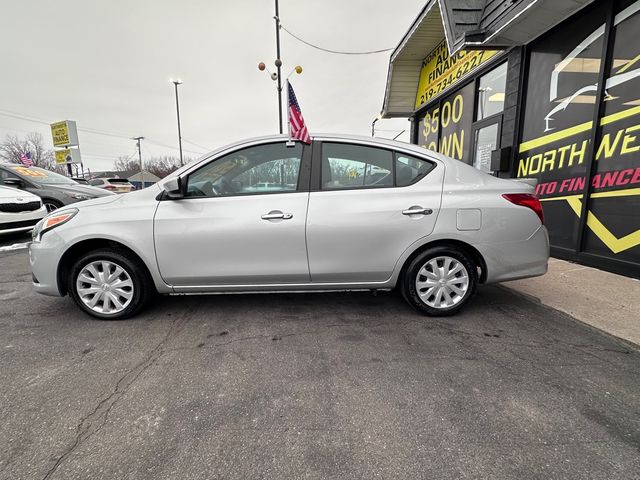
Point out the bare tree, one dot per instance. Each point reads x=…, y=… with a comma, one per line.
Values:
x=123, y=164
x=162, y=166
x=13, y=147
x=159, y=166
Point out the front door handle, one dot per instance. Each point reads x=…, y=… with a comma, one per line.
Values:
x=277, y=215
x=417, y=210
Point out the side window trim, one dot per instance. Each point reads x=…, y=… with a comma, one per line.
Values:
x=304, y=174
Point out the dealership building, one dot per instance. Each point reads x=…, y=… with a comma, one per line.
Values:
x=544, y=89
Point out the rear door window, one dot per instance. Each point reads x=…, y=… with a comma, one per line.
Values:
x=346, y=166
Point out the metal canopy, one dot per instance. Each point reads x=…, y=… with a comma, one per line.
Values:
x=424, y=35
x=465, y=24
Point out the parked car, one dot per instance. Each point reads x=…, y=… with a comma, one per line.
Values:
x=19, y=211
x=80, y=180
x=433, y=227
x=116, y=185
x=55, y=190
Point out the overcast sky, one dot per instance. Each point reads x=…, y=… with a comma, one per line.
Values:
x=107, y=64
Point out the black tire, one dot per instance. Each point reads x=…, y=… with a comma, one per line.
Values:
x=410, y=291
x=143, y=288
x=51, y=204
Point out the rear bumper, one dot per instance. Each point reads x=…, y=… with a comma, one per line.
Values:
x=514, y=260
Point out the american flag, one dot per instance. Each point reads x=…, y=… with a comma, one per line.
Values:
x=297, y=128
x=25, y=158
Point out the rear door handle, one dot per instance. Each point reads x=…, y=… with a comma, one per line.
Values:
x=416, y=210
x=277, y=215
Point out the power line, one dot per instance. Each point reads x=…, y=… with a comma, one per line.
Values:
x=196, y=145
x=169, y=146
x=338, y=52
x=93, y=131
x=29, y=118
x=6, y=113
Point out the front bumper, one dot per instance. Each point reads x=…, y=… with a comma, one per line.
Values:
x=44, y=258
x=20, y=221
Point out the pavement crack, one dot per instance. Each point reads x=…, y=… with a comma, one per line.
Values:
x=92, y=423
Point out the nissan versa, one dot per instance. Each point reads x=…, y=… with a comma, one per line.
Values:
x=344, y=213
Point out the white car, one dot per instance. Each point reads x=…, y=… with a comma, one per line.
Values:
x=19, y=210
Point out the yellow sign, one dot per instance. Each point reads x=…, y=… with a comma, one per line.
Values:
x=440, y=71
x=64, y=133
x=27, y=172
x=63, y=156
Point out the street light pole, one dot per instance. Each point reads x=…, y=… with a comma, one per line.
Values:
x=373, y=125
x=278, y=65
x=176, y=83
x=137, y=139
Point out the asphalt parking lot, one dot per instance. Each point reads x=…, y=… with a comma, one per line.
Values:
x=341, y=385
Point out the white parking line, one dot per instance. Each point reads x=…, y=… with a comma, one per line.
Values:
x=15, y=246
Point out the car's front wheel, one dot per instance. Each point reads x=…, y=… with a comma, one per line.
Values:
x=440, y=281
x=109, y=284
x=51, y=205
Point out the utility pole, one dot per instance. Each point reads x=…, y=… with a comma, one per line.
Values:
x=137, y=139
x=176, y=83
x=278, y=65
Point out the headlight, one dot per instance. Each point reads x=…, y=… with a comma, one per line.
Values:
x=51, y=221
x=80, y=196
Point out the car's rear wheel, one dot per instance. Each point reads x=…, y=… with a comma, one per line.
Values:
x=440, y=281
x=109, y=284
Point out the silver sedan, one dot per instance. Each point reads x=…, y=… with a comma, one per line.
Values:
x=345, y=213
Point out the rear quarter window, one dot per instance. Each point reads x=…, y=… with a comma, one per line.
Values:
x=410, y=169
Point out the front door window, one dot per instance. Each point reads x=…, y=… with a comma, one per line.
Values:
x=271, y=168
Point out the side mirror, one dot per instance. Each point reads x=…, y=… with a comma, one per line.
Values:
x=14, y=182
x=173, y=188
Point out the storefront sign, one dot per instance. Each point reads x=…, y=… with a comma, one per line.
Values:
x=446, y=128
x=64, y=133
x=68, y=155
x=440, y=71
x=557, y=141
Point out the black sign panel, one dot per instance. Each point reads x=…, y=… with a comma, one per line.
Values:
x=556, y=137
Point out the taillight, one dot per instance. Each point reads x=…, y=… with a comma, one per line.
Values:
x=109, y=187
x=526, y=200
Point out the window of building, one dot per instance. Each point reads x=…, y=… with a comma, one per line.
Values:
x=491, y=92
x=561, y=89
x=614, y=201
x=446, y=127
x=429, y=129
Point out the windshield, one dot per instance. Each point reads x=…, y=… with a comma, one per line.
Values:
x=40, y=175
